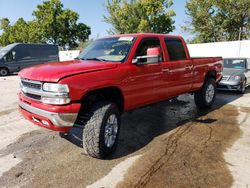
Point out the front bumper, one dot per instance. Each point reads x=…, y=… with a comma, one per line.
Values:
x=228, y=85
x=57, y=121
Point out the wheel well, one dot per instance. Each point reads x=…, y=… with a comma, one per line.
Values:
x=4, y=68
x=211, y=74
x=111, y=94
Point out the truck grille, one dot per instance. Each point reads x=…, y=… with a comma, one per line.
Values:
x=33, y=96
x=32, y=85
x=29, y=88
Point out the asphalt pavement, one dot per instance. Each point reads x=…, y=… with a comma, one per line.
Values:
x=169, y=144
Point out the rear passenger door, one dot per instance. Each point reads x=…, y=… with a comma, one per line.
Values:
x=178, y=74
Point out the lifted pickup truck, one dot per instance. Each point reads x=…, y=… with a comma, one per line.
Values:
x=111, y=76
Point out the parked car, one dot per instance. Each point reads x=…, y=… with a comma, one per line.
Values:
x=111, y=76
x=15, y=57
x=236, y=75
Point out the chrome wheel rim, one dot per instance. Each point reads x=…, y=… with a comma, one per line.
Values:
x=111, y=130
x=210, y=93
x=3, y=72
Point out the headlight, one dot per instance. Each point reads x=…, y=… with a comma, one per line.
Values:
x=56, y=101
x=237, y=78
x=56, y=88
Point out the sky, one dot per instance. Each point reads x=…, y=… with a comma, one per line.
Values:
x=90, y=12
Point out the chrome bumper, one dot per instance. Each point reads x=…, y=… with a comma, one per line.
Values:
x=59, y=119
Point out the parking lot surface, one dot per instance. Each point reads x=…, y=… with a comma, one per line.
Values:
x=170, y=144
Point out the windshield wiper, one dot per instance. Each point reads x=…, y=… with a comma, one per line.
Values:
x=94, y=59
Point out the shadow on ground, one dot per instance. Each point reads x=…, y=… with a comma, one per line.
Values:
x=141, y=126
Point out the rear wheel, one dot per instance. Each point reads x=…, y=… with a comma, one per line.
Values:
x=4, y=72
x=101, y=130
x=205, y=97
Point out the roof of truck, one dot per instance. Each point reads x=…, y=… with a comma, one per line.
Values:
x=144, y=35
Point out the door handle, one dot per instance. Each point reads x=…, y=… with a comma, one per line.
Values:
x=188, y=67
x=165, y=70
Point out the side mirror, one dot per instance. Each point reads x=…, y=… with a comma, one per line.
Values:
x=153, y=56
x=154, y=51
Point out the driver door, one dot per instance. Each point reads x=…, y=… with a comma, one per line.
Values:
x=144, y=78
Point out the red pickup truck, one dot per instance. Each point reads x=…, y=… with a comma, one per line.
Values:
x=111, y=76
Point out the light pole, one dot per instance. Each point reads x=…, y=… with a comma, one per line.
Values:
x=239, y=48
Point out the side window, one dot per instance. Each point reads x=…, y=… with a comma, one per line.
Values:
x=23, y=55
x=10, y=56
x=176, y=49
x=145, y=44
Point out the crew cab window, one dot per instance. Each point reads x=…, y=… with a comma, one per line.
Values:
x=143, y=47
x=145, y=44
x=176, y=49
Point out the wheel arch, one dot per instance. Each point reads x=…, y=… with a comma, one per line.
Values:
x=210, y=74
x=110, y=93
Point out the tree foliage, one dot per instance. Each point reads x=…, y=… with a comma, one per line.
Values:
x=51, y=24
x=224, y=20
x=4, y=24
x=133, y=16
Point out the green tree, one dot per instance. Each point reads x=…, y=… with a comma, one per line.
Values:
x=133, y=16
x=4, y=24
x=212, y=20
x=19, y=32
x=51, y=24
x=59, y=26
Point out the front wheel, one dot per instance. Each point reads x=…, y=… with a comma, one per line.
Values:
x=4, y=72
x=243, y=87
x=100, y=133
x=204, y=98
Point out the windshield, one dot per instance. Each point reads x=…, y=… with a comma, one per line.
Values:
x=5, y=50
x=115, y=49
x=235, y=63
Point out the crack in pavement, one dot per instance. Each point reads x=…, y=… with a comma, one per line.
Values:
x=172, y=143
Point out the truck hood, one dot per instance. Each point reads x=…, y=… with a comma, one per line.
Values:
x=53, y=72
x=233, y=72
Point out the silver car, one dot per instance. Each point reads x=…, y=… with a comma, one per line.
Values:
x=236, y=75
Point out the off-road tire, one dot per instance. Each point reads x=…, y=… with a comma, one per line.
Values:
x=200, y=96
x=94, y=129
x=4, y=72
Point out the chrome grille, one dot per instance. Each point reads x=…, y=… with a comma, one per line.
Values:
x=31, y=89
x=31, y=85
x=36, y=97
